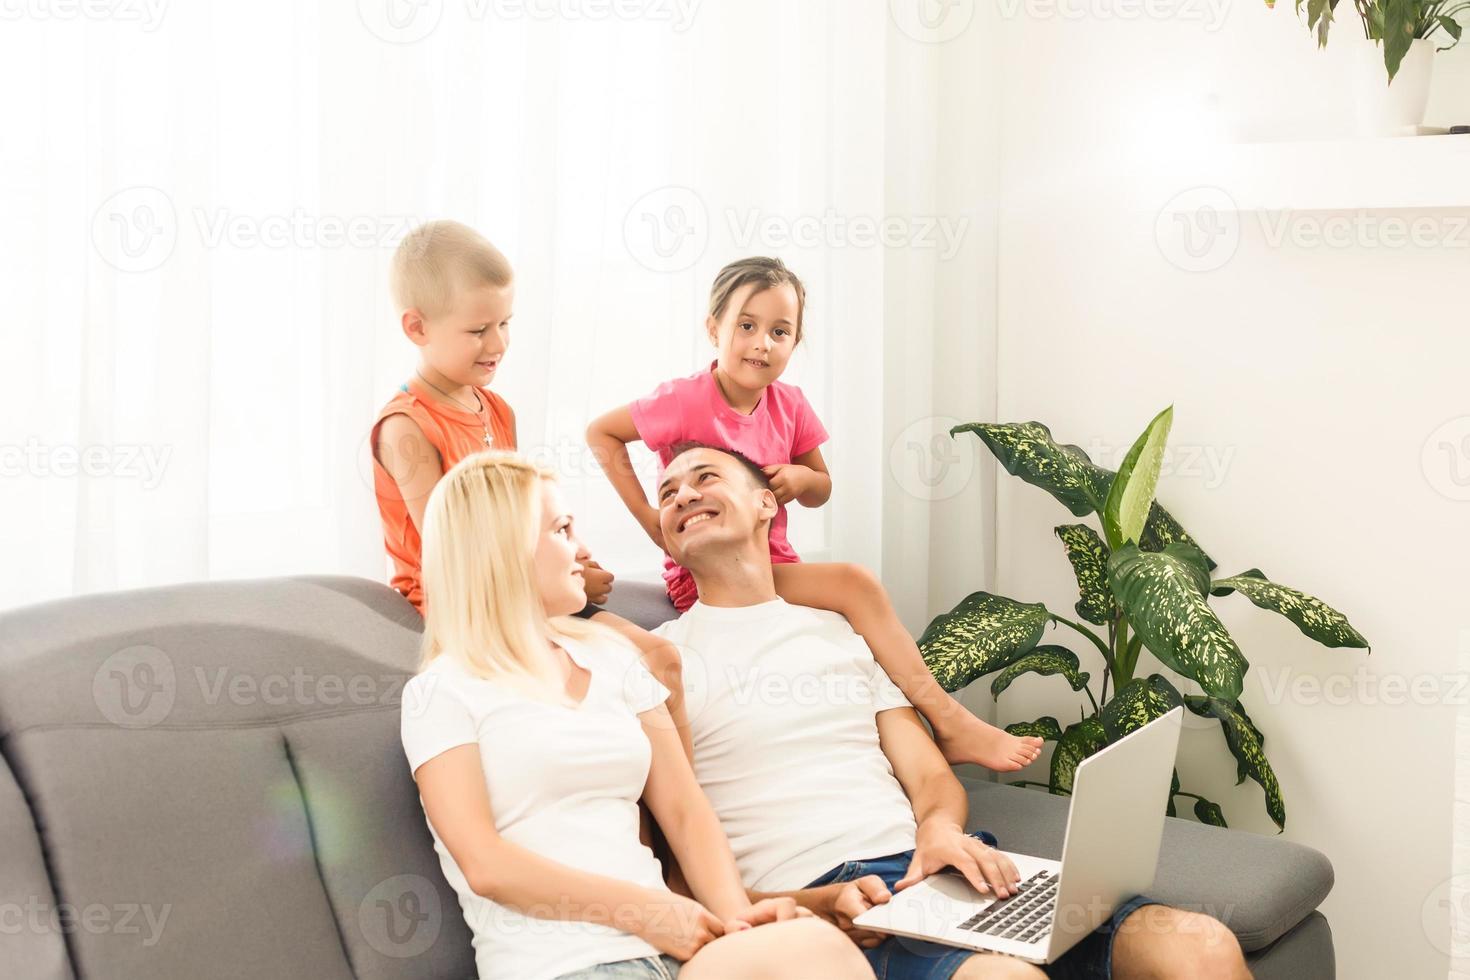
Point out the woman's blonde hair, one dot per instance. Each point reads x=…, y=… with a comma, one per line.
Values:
x=481, y=604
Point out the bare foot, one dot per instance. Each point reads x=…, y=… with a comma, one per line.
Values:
x=969, y=739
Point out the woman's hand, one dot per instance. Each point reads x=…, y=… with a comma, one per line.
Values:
x=765, y=911
x=679, y=926
x=788, y=480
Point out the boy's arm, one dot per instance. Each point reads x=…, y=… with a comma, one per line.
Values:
x=819, y=488
x=413, y=463
x=940, y=808
x=609, y=437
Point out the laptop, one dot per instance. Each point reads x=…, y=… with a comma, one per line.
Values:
x=1109, y=855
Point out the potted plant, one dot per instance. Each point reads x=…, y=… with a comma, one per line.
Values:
x=1144, y=583
x=1399, y=38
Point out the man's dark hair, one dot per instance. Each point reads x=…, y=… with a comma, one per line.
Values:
x=751, y=467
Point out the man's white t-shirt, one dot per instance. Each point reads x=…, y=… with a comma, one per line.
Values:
x=563, y=782
x=783, y=703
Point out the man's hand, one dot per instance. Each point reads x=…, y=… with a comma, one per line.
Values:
x=596, y=581
x=852, y=900
x=940, y=845
x=788, y=480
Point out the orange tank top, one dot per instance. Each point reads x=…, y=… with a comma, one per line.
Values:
x=454, y=433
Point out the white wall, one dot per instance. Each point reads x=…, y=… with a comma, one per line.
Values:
x=1320, y=379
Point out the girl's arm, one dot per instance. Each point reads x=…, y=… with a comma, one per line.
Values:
x=609, y=437
x=452, y=786
x=819, y=487
x=413, y=463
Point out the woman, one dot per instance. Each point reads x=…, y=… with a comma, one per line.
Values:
x=532, y=736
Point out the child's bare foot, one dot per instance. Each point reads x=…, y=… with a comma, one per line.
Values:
x=969, y=739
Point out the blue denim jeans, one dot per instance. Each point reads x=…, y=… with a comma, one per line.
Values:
x=645, y=968
x=901, y=958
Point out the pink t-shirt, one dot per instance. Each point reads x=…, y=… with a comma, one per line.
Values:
x=782, y=427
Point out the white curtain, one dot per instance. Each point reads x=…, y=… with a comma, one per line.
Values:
x=200, y=201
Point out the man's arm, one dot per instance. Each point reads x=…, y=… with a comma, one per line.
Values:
x=940, y=808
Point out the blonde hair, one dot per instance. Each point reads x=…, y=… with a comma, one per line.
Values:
x=765, y=273
x=481, y=604
x=436, y=259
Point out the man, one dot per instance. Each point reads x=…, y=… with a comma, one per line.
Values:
x=824, y=778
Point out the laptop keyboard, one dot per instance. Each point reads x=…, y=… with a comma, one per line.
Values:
x=1025, y=916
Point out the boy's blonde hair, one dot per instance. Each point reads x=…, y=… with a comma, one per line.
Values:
x=480, y=598
x=765, y=273
x=436, y=259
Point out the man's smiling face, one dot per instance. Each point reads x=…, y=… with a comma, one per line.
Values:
x=709, y=502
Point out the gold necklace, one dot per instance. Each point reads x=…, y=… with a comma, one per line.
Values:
x=477, y=411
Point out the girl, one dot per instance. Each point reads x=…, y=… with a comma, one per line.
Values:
x=532, y=734
x=754, y=324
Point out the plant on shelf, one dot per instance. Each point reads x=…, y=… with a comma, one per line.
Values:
x=1393, y=25
x=1144, y=584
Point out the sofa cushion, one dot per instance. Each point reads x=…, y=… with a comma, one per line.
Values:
x=1258, y=886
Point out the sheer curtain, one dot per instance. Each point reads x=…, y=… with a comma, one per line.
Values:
x=201, y=200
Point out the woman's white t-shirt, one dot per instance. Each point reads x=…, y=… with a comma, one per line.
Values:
x=563, y=782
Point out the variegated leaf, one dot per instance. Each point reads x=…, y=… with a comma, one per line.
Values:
x=1027, y=450
x=1132, y=492
x=1161, y=530
x=1078, y=742
x=1137, y=703
x=1169, y=811
x=1248, y=747
x=983, y=633
x=1313, y=617
x=1046, y=659
x=1210, y=813
x=1089, y=557
x=1045, y=727
x=1163, y=596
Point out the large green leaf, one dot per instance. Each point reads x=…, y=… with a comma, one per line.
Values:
x=1248, y=747
x=1045, y=659
x=983, y=633
x=1132, y=490
x=1399, y=17
x=1163, y=596
x=1312, y=616
x=1162, y=530
x=1045, y=727
x=1208, y=812
x=1137, y=703
x=1078, y=742
x=1089, y=558
x=1027, y=450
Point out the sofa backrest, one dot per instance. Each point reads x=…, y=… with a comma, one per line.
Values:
x=206, y=780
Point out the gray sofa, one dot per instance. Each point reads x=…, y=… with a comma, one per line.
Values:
x=205, y=781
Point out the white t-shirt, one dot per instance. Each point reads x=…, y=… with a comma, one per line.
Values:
x=783, y=703
x=563, y=782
